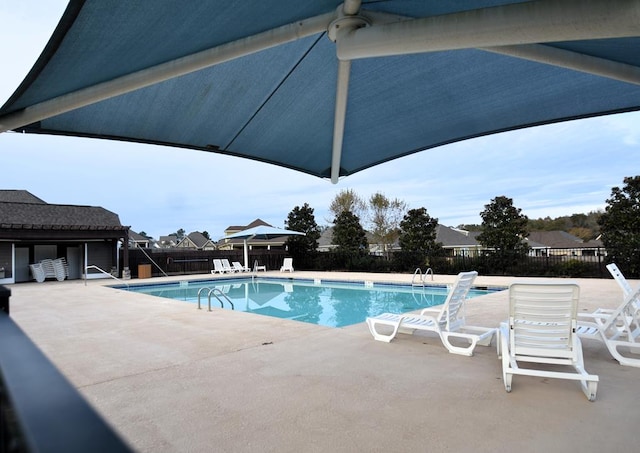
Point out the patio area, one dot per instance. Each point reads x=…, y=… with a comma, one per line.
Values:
x=171, y=378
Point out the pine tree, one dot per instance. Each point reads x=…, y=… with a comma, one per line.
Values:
x=418, y=232
x=348, y=233
x=301, y=219
x=504, y=229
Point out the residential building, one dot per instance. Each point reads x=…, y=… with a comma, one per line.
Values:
x=32, y=230
x=196, y=241
x=561, y=243
x=136, y=240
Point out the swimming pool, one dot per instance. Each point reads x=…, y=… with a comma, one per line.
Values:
x=326, y=303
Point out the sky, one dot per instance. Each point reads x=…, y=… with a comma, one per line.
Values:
x=556, y=170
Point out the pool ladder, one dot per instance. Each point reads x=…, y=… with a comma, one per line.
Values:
x=421, y=277
x=215, y=292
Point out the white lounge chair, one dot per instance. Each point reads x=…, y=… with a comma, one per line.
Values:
x=287, y=265
x=620, y=279
x=37, y=272
x=238, y=267
x=618, y=329
x=259, y=267
x=447, y=320
x=542, y=330
x=60, y=268
x=227, y=266
x=49, y=268
x=217, y=267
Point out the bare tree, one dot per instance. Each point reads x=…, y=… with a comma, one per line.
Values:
x=385, y=219
x=347, y=200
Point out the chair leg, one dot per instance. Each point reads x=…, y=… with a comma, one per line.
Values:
x=507, y=377
x=626, y=361
x=503, y=352
x=590, y=389
x=468, y=351
x=383, y=337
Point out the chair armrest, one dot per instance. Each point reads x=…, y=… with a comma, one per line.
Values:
x=433, y=311
x=603, y=316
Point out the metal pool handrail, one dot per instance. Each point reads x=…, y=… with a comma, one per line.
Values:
x=213, y=291
x=104, y=272
x=422, y=277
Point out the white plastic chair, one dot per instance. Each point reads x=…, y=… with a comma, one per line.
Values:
x=238, y=267
x=217, y=267
x=37, y=272
x=287, y=265
x=227, y=266
x=541, y=329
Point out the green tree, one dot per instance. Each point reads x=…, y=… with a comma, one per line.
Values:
x=584, y=226
x=418, y=232
x=206, y=234
x=348, y=200
x=620, y=226
x=385, y=218
x=581, y=232
x=348, y=233
x=179, y=234
x=469, y=227
x=301, y=219
x=504, y=229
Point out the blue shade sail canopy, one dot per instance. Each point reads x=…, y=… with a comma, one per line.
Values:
x=325, y=87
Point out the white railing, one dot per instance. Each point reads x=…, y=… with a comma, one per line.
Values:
x=421, y=277
x=91, y=266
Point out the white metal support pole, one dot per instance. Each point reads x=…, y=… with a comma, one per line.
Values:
x=515, y=24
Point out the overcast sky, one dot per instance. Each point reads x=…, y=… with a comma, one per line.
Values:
x=554, y=170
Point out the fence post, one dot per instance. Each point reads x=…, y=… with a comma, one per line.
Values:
x=599, y=262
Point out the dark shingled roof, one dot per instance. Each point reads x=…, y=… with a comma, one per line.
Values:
x=198, y=239
x=18, y=196
x=560, y=239
x=454, y=238
x=55, y=216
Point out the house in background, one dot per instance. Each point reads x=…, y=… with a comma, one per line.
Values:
x=325, y=241
x=138, y=241
x=457, y=242
x=167, y=242
x=196, y=241
x=235, y=243
x=561, y=243
x=32, y=230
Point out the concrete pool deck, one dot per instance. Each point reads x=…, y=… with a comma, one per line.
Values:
x=170, y=378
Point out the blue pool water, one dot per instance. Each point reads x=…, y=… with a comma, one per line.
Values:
x=326, y=303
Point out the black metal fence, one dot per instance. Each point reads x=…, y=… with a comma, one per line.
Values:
x=553, y=263
x=185, y=261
